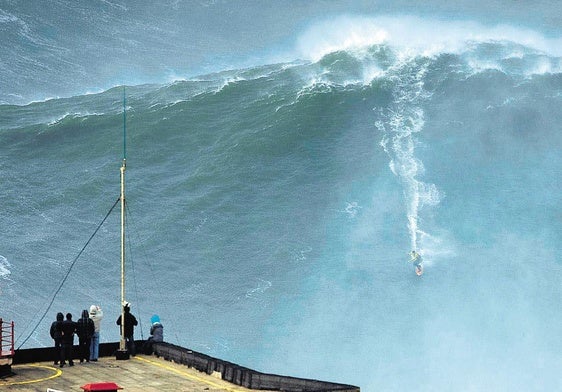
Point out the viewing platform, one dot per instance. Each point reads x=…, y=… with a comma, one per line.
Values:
x=140, y=373
x=171, y=368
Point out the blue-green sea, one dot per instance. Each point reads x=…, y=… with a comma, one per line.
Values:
x=277, y=180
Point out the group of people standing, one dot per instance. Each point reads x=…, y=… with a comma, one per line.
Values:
x=88, y=330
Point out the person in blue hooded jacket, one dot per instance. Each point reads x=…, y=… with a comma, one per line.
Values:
x=156, y=334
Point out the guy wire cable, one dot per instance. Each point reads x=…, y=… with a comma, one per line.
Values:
x=68, y=273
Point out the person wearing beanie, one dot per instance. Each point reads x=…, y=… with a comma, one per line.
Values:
x=96, y=315
x=129, y=327
x=68, y=328
x=156, y=329
x=56, y=334
x=85, y=329
x=156, y=334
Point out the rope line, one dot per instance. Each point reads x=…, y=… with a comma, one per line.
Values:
x=134, y=274
x=68, y=273
x=155, y=279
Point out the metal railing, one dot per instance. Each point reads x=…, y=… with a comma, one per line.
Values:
x=6, y=338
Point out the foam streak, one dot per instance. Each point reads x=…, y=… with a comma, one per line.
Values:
x=399, y=125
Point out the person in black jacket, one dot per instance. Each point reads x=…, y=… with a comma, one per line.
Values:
x=85, y=330
x=56, y=334
x=129, y=327
x=68, y=329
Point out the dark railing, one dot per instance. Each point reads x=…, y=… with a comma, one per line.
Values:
x=245, y=377
x=48, y=354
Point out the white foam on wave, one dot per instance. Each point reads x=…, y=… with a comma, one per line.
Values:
x=82, y=115
x=6, y=17
x=60, y=118
x=4, y=267
x=352, y=209
x=262, y=286
x=546, y=66
x=343, y=33
x=227, y=82
x=413, y=35
x=436, y=247
x=399, y=125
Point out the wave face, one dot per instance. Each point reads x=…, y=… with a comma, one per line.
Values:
x=271, y=211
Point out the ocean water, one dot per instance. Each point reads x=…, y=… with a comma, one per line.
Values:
x=272, y=202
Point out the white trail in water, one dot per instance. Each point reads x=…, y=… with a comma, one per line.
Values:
x=399, y=126
x=4, y=267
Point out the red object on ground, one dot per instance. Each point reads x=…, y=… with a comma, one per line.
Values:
x=101, y=386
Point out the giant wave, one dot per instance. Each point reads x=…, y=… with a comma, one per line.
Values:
x=272, y=209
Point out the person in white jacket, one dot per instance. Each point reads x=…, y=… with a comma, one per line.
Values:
x=96, y=314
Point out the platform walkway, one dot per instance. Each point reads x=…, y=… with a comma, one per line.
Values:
x=139, y=373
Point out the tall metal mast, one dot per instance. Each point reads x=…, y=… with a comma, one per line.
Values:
x=123, y=353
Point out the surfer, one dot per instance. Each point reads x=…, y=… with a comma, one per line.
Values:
x=416, y=259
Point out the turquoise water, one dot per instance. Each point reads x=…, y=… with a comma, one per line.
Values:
x=271, y=208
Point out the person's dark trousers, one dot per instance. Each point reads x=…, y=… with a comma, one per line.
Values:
x=131, y=345
x=58, y=354
x=84, y=344
x=67, y=354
